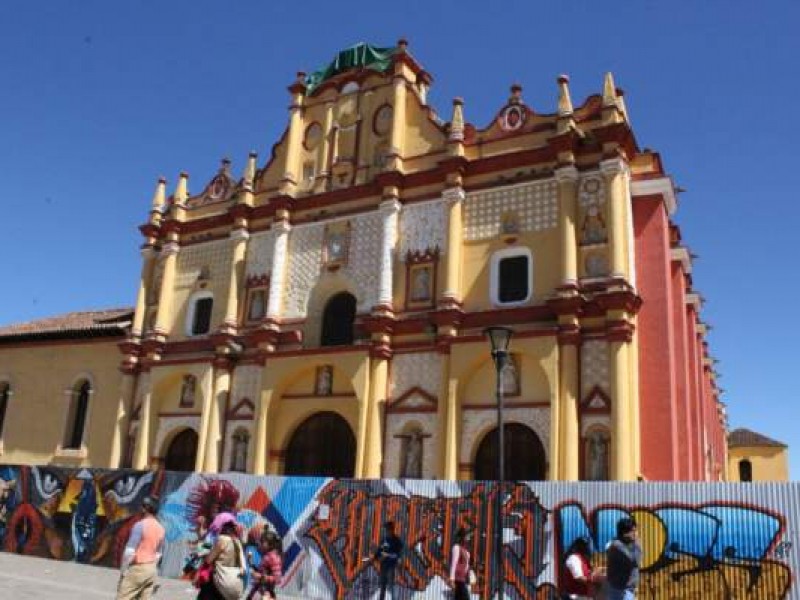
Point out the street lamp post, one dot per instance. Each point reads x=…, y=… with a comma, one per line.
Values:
x=500, y=337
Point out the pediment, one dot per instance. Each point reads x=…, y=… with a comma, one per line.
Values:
x=244, y=410
x=415, y=399
x=596, y=401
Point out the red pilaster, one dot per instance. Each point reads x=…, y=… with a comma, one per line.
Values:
x=693, y=396
x=682, y=368
x=657, y=401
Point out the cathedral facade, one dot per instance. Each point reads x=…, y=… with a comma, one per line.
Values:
x=322, y=311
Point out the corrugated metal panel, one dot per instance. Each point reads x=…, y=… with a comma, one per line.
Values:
x=698, y=540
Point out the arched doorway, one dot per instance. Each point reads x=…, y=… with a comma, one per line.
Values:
x=337, y=320
x=525, y=458
x=182, y=451
x=323, y=445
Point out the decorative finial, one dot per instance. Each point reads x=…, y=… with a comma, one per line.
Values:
x=402, y=45
x=181, y=191
x=250, y=170
x=159, y=195
x=564, y=101
x=457, y=122
x=225, y=165
x=516, y=94
x=609, y=91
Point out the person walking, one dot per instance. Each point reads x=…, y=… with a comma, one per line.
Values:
x=460, y=566
x=141, y=555
x=388, y=555
x=577, y=578
x=227, y=563
x=267, y=575
x=624, y=555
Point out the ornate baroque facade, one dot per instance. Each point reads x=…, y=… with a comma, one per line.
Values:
x=323, y=313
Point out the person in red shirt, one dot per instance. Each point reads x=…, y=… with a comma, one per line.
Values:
x=459, y=566
x=577, y=577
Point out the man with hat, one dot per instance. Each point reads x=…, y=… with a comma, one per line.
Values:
x=141, y=555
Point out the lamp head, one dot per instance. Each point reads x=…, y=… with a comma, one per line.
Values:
x=499, y=337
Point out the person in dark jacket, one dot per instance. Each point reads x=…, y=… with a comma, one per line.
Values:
x=624, y=555
x=388, y=555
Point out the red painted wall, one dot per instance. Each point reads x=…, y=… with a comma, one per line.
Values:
x=656, y=327
x=693, y=372
x=682, y=368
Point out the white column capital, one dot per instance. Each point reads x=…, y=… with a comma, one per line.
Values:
x=240, y=234
x=566, y=174
x=170, y=248
x=282, y=227
x=390, y=206
x=613, y=166
x=148, y=252
x=454, y=195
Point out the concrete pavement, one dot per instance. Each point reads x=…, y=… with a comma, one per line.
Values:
x=28, y=578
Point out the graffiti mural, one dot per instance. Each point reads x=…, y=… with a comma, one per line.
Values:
x=709, y=541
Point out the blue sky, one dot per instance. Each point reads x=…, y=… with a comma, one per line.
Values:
x=100, y=98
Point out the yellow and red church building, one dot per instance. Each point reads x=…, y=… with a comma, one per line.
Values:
x=322, y=311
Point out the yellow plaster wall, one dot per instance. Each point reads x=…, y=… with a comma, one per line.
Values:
x=769, y=463
x=476, y=267
x=36, y=416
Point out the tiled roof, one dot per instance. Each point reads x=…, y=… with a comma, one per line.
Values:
x=90, y=323
x=745, y=437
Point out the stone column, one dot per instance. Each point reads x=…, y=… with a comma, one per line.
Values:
x=261, y=446
x=141, y=457
x=397, y=138
x=207, y=390
x=567, y=178
x=277, y=280
x=451, y=441
x=239, y=237
x=454, y=197
x=124, y=402
x=294, y=139
x=614, y=170
x=373, y=449
x=222, y=385
x=568, y=396
x=164, y=317
x=323, y=151
x=390, y=209
x=145, y=281
x=620, y=412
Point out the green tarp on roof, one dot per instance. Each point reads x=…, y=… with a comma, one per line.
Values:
x=360, y=56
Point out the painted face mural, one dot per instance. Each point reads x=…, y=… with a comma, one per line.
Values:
x=709, y=541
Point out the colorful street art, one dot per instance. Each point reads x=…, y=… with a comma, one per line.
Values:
x=700, y=541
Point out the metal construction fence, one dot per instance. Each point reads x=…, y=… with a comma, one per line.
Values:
x=700, y=540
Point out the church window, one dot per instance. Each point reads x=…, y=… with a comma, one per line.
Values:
x=511, y=277
x=78, y=411
x=198, y=317
x=5, y=394
x=256, y=305
x=337, y=320
x=745, y=470
x=308, y=171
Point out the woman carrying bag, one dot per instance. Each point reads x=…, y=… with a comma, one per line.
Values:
x=227, y=564
x=461, y=575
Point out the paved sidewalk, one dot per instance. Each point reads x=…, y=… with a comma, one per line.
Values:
x=28, y=578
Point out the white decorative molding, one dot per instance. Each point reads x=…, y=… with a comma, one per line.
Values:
x=592, y=420
x=494, y=277
x=170, y=248
x=534, y=204
x=190, y=313
x=594, y=366
x=259, y=254
x=240, y=234
x=420, y=369
x=681, y=255
x=693, y=299
x=168, y=425
x=613, y=166
x=568, y=173
x=477, y=423
x=453, y=195
x=423, y=227
x=662, y=186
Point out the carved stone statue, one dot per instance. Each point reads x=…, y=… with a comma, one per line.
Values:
x=598, y=456
x=412, y=465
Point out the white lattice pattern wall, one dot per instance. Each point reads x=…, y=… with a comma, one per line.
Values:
x=215, y=255
x=396, y=425
x=594, y=366
x=364, y=259
x=423, y=226
x=422, y=369
x=362, y=268
x=305, y=256
x=477, y=423
x=535, y=204
x=260, y=249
